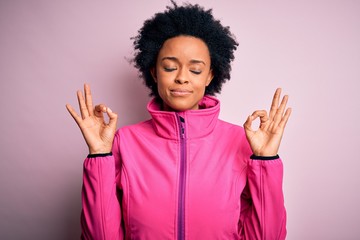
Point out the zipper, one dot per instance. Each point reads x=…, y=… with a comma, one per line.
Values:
x=182, y=179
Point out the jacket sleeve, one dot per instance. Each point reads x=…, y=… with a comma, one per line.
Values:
x=263, y=214
x=101, y=212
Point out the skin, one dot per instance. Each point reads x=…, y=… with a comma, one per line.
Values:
x=98, y=134
x=182, y=73
x=265, y=141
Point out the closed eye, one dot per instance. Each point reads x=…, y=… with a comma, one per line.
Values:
x=169, y=69
x=195, y=72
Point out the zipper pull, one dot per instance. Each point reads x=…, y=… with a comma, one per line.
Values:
x=182, y=126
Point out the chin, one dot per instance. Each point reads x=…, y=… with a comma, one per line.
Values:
x=182, y=109
x=178, y=106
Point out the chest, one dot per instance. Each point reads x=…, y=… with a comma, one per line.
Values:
x=171, y=186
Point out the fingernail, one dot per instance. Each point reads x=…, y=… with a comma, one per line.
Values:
x=109, y=109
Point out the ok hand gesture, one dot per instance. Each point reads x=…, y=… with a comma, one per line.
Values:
x=98, y=134
x=265, y=141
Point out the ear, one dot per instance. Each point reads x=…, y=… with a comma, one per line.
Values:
x=153, y=73
x=209, y=77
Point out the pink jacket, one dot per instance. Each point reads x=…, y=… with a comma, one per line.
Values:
x=180, y=176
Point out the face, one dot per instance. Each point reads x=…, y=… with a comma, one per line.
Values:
x=182, y=72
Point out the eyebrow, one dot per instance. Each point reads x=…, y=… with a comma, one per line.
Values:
x=194, y=61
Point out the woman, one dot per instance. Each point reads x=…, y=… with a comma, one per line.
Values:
x=183, y=174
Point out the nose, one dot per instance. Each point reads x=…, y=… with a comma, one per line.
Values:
x=181, y=78
x=181, y=81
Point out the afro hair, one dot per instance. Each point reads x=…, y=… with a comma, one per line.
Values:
x=186, y=20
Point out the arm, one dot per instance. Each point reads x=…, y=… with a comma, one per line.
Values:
x=263, y=214
x=101, y=216
x=101, y=213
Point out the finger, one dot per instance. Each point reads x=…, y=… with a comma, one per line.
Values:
x=112, y=118
x=284, y=120
x=73, y=113
x=88, y=99
x=280, y=111
x=99, y=110
x=275, y=103
x=83, y=109
x=262, y=114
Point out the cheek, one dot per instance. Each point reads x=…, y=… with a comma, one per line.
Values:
x=162, y=85
x=165, y=78
x=201, y=83
x=209, y=78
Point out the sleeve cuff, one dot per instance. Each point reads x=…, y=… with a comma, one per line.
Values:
x=254, y=157
x=99, y=155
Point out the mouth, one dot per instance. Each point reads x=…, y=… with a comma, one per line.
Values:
x=180, y=92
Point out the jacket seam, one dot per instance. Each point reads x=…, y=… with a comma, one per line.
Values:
x=262, y=201
x=127, y=195
x=101, y=201
x=282, y=226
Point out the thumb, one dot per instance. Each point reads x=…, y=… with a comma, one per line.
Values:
x=248, y=123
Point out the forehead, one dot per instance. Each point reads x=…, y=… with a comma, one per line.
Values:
x=186, y=47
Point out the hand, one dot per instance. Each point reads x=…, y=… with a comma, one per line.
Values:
x=98, y=134
x=265, y=141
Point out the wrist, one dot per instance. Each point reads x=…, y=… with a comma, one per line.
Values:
x=265, y=152
x=103, y=150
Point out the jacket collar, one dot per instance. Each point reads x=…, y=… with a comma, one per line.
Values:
x=198, y=123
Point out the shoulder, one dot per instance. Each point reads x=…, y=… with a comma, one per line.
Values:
x=231, y=127
x=231, y=132
x=140, y=127
x=236, y=135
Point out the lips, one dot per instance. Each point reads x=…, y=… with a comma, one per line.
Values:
x=180, y=92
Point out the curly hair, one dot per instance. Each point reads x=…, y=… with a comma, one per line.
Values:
x=186, y=20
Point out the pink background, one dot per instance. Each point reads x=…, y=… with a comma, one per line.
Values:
x=48, y=49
